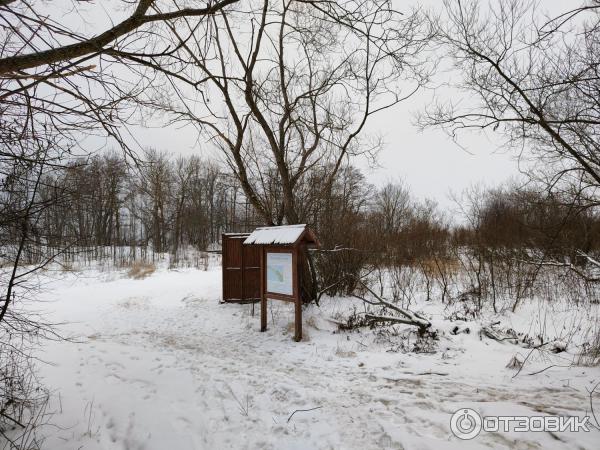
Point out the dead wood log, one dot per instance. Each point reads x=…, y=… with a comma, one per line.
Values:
x=376, y=318
x=406, y=316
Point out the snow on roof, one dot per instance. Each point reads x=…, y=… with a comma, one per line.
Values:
x=286, y=234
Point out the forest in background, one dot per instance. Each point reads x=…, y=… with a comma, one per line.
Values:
x=104, y=208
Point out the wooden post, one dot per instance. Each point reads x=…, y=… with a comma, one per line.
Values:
x=298, y=299
x=263, y=290
x=242, y=269
x=298, y=320
x=223, y=266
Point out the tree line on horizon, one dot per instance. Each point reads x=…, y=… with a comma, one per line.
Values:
x=165, y=204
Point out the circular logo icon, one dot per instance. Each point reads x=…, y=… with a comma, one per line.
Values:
x=465, y=423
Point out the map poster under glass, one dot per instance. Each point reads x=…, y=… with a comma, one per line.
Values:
x=279, y=273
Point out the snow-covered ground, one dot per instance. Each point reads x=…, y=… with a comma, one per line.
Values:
x=158, y=363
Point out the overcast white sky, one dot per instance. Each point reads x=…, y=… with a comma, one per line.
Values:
x=429, y=161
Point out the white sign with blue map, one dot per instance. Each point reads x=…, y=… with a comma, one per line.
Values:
x=279, y=273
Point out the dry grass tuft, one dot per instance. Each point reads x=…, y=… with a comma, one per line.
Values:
x=290, y=329
x=68, y=267
x=140, y=270
x=312, y=322
x=590, y=356
x=343, y=353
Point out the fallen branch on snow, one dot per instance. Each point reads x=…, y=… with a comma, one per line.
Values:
x=407, y=317
x=376, y=318
x=497, y=335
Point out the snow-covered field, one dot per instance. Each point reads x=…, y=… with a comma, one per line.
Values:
x=158, y=363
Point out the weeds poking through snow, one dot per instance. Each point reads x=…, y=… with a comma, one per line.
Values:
x=243, y=406
x=590, y=355
x=23, y=401
x=515, y=363
x=140, y=270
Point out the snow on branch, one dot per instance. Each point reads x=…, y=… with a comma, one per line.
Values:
x=407, y=317
x=589, y=277
x=591, y=260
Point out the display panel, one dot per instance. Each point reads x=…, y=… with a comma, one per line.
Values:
x=280, y=273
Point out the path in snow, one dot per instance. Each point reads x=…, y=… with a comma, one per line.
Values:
x=164, y=366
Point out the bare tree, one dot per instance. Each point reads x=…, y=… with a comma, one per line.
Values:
x=393, y=204
x=60, y=84
x=291, y=86
x=285, y=87
x=534, y=80
x=33, y=24
x=24, y=251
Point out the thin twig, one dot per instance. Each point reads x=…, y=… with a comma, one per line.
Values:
x=302, y=410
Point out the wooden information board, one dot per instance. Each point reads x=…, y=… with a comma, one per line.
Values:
x=280, y=267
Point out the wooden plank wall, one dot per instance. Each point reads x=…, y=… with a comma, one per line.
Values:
x=241, y=269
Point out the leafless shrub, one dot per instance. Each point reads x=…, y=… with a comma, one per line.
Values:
x=23, y=401
x=465, y=307
x=401, y=340
x=338, y=270
x=355, y=320
x=404, y=283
